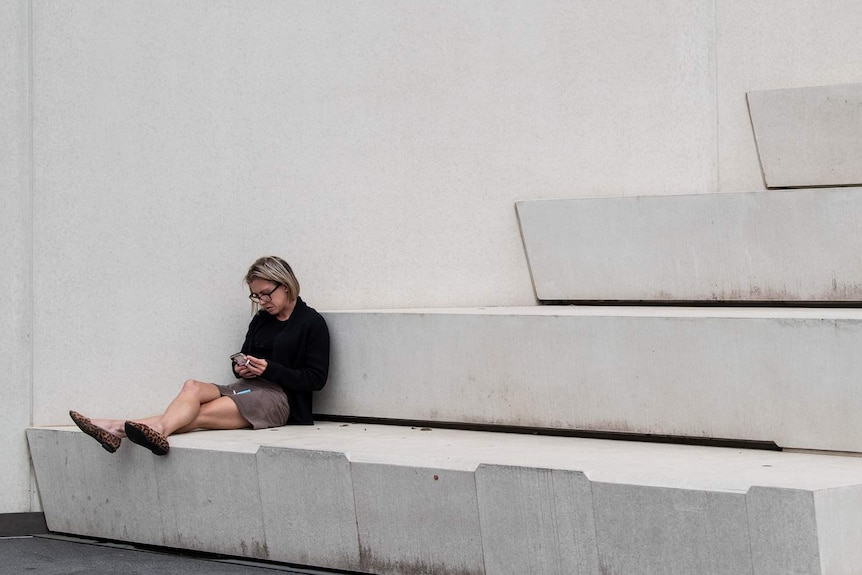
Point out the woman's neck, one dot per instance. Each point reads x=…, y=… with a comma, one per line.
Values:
x=285, y=314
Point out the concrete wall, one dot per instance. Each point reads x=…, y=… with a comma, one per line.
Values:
x=16, y=258
x=775, y=44
x=378, y=146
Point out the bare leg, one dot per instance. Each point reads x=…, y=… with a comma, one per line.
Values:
x=184, y=408
x=220, y=413
x=198, y=405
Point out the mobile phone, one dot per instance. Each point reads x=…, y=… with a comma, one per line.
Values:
x=239, y=359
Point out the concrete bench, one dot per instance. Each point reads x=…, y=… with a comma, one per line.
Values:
x=777, y=246
x=396, y=500
x=782, y=375
x=400, y=500
x=808, y=137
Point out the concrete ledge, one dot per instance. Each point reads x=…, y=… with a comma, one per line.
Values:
x=788, y=246
x=394, y=500
x=808, y=137
x=789, y=376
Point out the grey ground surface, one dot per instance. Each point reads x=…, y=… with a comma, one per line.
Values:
x=53, y=555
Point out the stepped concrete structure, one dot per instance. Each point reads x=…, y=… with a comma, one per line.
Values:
x=152, y=150
x=394, y=499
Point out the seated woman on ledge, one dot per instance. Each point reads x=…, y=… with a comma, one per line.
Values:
x=284, y=358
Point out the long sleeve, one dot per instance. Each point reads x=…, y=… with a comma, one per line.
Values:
x=246, y=344
x=312, y=356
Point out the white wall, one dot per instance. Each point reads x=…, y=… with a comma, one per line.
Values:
x=16, y=313
x=379, y=146
x=776, y=44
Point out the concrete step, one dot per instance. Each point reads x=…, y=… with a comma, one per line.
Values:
x=788, y=246
x=808, y=137
x=395, y=500
x=782, y=375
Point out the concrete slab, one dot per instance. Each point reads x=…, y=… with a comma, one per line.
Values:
x=87, y=491
x=639, y=529
x=449, y=501
x=789, y=246
x=209, y=500
x=419, y=520
x=783, y=531
x=309, y=516
x=839, y=529
x=536, y=521
x=808, y=137
x=784, y=375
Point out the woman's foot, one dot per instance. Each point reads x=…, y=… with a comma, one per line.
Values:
x=105, y=438
x=148, y=437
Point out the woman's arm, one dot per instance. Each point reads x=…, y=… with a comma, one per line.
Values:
x=246, y=345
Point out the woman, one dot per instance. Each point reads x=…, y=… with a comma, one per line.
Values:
x=285, y=357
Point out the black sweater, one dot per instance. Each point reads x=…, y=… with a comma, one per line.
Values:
x=299, y=361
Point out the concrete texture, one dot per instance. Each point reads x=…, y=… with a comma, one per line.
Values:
x=447, y=501
x=774, y=44
x=793, y=246
x=16, y=259
x=94, y=493
x=210, y=501
x=417, y=520
x=639, y=530
x=808, y=137
x=395, y=111
x=784, y=375
x=536, y=521
x=784, y=533
x=839, y=529
x=305, y=525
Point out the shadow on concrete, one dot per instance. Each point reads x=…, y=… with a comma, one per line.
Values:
x=54, y=554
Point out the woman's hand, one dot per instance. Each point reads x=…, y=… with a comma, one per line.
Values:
x=254, y=368
x=243, y=371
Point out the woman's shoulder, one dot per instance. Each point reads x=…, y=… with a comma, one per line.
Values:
x=308, y=313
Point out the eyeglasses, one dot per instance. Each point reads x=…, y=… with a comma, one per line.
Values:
x=259, y=297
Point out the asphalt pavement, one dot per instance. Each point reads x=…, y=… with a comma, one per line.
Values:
x=60, y=555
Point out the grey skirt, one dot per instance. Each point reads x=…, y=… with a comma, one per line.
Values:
x=261, y=402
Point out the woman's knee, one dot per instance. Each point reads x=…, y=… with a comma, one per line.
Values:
x=199, y=389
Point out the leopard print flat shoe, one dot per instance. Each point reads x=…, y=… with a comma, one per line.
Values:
x=105, y=438
x=148, y=437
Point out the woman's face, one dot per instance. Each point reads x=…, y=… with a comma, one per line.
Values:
x=272, y=296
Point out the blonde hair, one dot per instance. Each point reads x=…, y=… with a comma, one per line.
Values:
x=274, y=269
